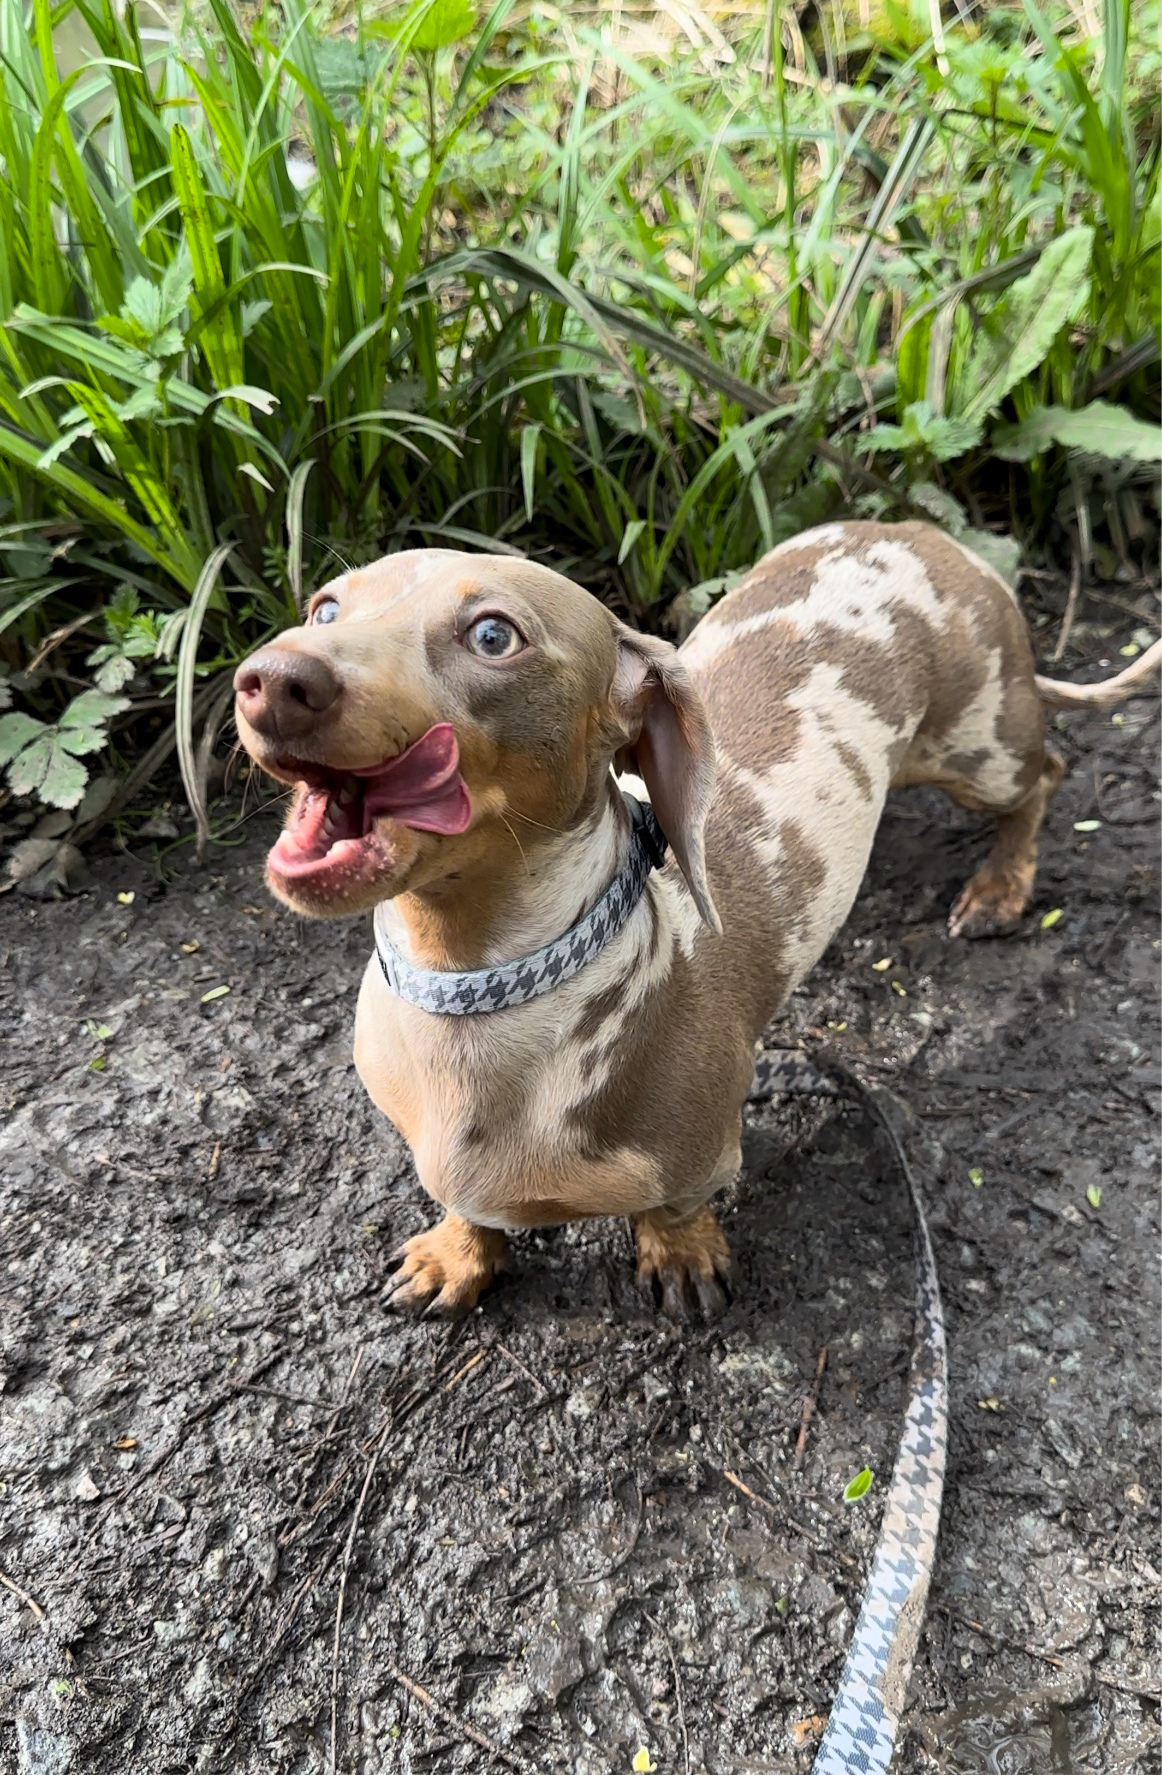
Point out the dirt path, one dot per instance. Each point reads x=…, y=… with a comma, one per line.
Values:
x=213, y=1435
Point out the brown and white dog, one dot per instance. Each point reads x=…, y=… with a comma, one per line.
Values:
x=450, y=722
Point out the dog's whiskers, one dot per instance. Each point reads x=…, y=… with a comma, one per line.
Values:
x=520, y=847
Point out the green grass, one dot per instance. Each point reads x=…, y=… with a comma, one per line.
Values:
x=640, y=310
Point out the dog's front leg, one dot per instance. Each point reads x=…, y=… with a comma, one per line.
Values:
x=683, y=1261
x=447, y=1270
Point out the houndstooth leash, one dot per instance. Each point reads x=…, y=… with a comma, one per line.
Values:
x=865, y=1716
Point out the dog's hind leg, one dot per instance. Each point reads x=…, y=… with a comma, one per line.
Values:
x=1002, y=887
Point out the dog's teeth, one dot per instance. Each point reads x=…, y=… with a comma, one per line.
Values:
x=348, y=792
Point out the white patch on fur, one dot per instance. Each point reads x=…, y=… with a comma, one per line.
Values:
x=998, y=780
x=817, y=792
x=812, y=539
x=847, y=592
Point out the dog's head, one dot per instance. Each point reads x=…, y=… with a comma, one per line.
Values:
x=433, y=699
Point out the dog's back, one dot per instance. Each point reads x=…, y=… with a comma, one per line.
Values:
x=856, y=657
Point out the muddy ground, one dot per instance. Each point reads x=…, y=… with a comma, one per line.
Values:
x=247, y=1511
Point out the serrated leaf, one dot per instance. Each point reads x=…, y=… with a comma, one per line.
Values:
x=976, y=1177
x=945, y=438
x=45, y=769
x=1001, y=553
x=79, y=740
x=1093, y=1195
x=17, y=731
x=113, y=673
x=859, y=1486
x=91, y=707
x=1019, y=332
x=1098, y=430
x=944, y=507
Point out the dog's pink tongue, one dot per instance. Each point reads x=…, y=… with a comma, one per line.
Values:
x=423, y=786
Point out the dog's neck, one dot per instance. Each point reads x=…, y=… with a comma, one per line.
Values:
x=554, y=878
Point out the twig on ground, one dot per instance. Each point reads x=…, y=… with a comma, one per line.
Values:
x=29, y=1602
x=810, y=1402
x=291, y=1398
x=1070, y=606
x=517, y=1363
x=461, y=1372
x=799, y=1528
x=451, y=1719
x=665, y=1638
x=342, y=1598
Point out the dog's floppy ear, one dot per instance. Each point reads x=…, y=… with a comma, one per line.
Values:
x=668, y=744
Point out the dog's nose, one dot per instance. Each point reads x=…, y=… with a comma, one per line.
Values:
x=282, y=693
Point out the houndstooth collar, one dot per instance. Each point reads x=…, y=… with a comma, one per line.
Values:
x=530, y=976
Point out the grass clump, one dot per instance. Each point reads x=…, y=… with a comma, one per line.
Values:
x=275, y=298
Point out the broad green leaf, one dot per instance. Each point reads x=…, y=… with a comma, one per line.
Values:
x=859, y=1486
x=429, y=24
x=1018, y=333
x=17, y=731
x=1098, y=429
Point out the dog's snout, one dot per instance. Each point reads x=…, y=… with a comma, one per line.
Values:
x=282, y=693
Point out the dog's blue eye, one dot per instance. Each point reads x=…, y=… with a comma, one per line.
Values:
x=326, y=611
x=493, y=638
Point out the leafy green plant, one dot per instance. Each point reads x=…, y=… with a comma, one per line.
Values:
x=272, y=301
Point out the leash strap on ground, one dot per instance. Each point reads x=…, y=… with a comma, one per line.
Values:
x=865, y=1716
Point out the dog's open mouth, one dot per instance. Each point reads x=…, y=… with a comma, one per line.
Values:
x=334, y=833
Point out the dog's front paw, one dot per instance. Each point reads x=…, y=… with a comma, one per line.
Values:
x=683, y=1262
x=991, y=904
x=447, y=1270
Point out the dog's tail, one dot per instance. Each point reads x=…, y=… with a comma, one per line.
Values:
x=1106, y=693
